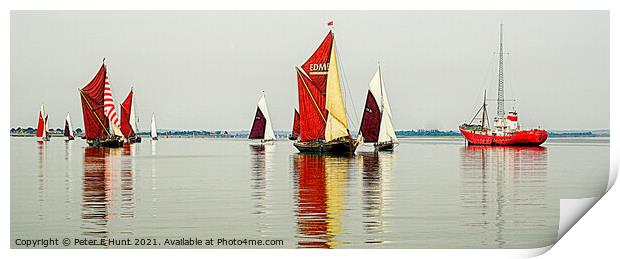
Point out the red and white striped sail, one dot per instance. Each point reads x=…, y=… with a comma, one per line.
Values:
x=109, y=108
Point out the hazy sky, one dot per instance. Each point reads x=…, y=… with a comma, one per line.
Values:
x=206, y=70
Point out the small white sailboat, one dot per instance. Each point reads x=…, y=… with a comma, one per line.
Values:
x=153, y=128
x=42, y=128
x=68, y=129
x=377, y=125
x=261, y=126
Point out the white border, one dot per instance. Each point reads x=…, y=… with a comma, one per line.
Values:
x=578, y=241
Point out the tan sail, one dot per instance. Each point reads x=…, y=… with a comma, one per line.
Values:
x=337, y=125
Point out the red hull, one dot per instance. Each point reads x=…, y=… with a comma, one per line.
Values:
x=518, y=138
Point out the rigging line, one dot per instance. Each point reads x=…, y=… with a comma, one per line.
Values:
x=346, y=84
x=485, y=79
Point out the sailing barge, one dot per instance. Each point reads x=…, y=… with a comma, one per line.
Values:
x=322, y=115
x=42, y=129
x=505, y=130
x=101, y=124
x=68, y=132
x=377, y=125
x=262, y=130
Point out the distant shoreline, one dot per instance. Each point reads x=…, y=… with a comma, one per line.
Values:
x=421, y=133
x=283, y=136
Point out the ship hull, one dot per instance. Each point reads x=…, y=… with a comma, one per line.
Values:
x=384, y=146
x=518, y=138
x=110, y=143
x=136, y=139
x=261, y=142
x=338, y=147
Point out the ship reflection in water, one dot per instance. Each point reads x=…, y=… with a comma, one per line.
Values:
x=41, y=178
x=427, y=194
x=320, y=184
x=261, y=164
x=505, y=192
x=323, y=202
x=107, y=192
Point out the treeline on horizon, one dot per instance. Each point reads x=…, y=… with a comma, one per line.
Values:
x=243, y=134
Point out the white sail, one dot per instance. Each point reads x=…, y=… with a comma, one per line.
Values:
x=262, y=105
x=386, y=130
x=68, y=121
x=153, y=127
x=132, y=115
x=46, y=132
x=337, y=124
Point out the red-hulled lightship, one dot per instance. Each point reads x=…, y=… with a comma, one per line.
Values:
x=505, y=130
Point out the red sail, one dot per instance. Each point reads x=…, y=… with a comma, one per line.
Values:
x=296, y=125
x=40, y=126
x=95, y=122
x=258, y=127
x=371, y=120
x=317, y=65
x=126, y=116
x=312, y=112
x=67, y=132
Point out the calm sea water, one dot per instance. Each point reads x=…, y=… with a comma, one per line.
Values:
x=429, y=193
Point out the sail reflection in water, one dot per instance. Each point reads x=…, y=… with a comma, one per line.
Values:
x=260, y=166
x=321, y=184
x=428, y=194
x=41, y=177
x=376, y=173
x=504, y=194
x=107, y=192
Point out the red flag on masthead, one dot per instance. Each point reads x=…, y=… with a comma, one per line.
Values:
x=330, y=23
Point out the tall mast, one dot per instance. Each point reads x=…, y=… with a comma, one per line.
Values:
x=484, y=109
x=500, y=80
